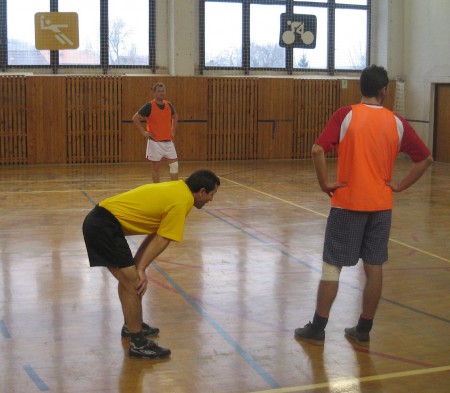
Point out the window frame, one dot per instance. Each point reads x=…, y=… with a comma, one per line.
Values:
x=104, y=43
x=331, y=7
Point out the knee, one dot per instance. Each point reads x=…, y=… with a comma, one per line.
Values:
x=127, y=277
x=173, y=167
x=330, y=272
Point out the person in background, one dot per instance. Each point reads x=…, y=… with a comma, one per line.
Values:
x=161, y=119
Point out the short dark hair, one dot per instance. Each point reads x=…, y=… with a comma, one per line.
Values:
x=202, y=178
x=373, y=78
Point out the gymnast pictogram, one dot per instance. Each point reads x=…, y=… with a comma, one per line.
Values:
x=46, y=24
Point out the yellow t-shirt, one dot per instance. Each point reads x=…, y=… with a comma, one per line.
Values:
x=159, y=207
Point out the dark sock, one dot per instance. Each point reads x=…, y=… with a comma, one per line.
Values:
x=319, y=323
x=125, y=322
x=138, y=339
x=364, y=325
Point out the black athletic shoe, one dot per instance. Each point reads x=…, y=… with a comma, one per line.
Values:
x=147, y=331
x=149, y=350
x=307, y=333
x=360, y=338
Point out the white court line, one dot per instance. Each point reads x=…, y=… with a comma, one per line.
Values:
x=348, y=382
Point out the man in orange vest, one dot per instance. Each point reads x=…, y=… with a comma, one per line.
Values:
x=368, y=138
x=161, y=119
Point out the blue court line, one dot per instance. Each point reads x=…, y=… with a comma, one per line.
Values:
x=4, y=330
x=298, y=260
x=266, y=243
x=88, y=197
x=245, y=355
x=35, y=378
x=404, y=306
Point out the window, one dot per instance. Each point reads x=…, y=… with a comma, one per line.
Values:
x=128, y=32
x=351, y=39
x=245, y=35
x=88, y=32
x=20, y=33
x=316, y=58
x=264, y=49
x=111, y=34
x=220, y=30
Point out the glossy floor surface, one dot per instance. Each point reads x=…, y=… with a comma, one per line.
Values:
x=228, y=298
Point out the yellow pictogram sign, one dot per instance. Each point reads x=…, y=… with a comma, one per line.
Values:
x=56, y=30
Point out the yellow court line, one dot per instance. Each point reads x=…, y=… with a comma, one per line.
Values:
x=420, y=250
x=347, y=382
x=324, y=215
x=274, y=197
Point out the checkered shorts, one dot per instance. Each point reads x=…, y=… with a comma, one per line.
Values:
x=353, y=235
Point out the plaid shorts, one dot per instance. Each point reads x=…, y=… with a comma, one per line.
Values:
x=106, y=244
x=353, y=235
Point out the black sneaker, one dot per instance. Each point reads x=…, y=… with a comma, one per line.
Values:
x=147, y=331
x=149, y=350
x=309, y=334
x=359, y=337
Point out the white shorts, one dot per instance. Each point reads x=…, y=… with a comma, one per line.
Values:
x=156, y=151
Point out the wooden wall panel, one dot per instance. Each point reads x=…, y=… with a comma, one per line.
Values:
x=349, y=92
x=315, y=101
x=442, y=124
x=93, y=119
x=232, y=118
x=46, y=119
x=190, y=99
x=275, y=117
x=87, y=119
x=13, y=120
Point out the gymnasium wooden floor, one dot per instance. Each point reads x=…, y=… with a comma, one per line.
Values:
x=228, y=298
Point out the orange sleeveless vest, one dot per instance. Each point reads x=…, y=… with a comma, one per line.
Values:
x=366, y=156
x=159, y=123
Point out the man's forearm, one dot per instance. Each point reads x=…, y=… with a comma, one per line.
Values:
x=151, y=247
x=320, y=165
x=139, y=127
x=415, y=173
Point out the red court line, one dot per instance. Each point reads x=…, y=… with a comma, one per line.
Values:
x=391, y=357
x=245, y=225
x=287, y=330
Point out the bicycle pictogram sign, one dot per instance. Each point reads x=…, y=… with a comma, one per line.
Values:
x=298, y=31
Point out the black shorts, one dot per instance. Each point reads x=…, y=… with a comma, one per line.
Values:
x=353, y=235
x=106, y=244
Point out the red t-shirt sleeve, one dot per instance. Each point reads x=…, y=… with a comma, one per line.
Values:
x=411, y=144
x=329, y=137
